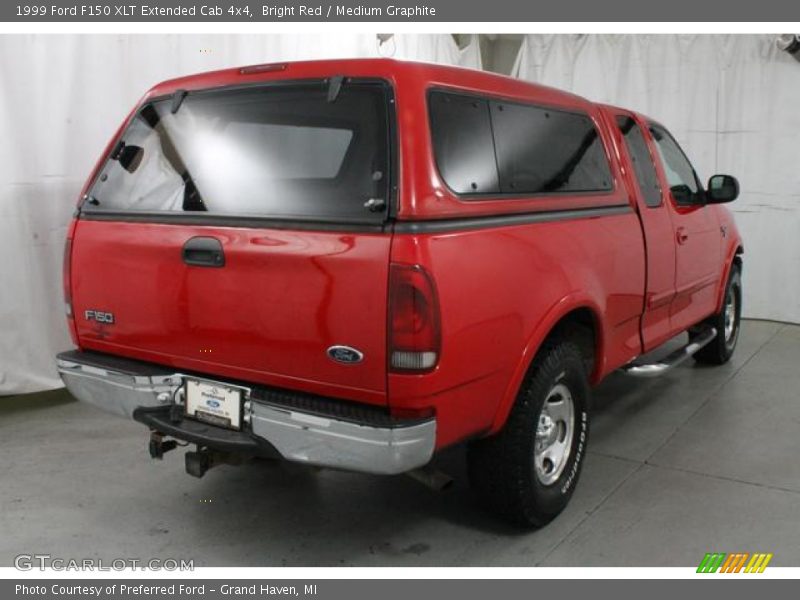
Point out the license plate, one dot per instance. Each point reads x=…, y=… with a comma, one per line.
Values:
x=214, y=403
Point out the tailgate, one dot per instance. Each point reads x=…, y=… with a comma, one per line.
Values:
x=270, y=314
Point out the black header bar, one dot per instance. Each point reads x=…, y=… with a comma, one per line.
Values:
x=475, y=11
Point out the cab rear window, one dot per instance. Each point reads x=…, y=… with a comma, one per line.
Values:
x=285, y=151
x=484, y=146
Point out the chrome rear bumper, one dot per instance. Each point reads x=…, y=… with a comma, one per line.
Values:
x=122, y=386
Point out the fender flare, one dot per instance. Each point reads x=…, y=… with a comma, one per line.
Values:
x=736, y=248
x=544, y=327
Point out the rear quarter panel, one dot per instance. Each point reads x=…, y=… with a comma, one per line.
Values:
x=501, y=291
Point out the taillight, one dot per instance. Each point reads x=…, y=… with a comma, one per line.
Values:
x=415, y=336
x=67, y=278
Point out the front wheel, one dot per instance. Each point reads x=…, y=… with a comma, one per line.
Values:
x=726, y=322
x=528, y=471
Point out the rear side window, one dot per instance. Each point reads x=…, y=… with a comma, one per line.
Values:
x=642, y=161
x=462, y=142
x=541, y=151
x=274, y=151
x=488, y=147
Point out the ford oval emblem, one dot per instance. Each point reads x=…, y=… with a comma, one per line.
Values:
x=212, y=403
x=345, y=354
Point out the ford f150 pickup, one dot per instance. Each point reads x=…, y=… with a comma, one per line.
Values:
x=355, y=264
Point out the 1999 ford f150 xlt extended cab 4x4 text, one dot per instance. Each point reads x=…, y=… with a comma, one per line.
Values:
x=355, y=264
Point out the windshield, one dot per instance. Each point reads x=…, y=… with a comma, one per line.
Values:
x=271, y=151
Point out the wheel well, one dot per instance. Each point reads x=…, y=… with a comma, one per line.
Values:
x=580, y=327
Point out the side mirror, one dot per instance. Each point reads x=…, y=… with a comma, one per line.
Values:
x=722, y=188
x=683, y=195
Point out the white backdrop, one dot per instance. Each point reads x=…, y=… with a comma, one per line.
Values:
x=61, y=98
x=733, y=102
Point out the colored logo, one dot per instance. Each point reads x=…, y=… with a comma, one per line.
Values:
x=345, y=354
x=737, y=562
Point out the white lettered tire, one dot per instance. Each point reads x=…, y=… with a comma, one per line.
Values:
x=528, y=471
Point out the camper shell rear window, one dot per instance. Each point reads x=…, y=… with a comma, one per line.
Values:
x=294, y=150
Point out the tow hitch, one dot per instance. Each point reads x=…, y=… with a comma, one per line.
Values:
x=203, y=459
x=197, y=463
x=158, y=446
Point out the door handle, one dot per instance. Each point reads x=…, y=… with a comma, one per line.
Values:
x=203, y=252
x=681, y=235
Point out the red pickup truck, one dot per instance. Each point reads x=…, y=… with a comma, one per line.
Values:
x=355, y=264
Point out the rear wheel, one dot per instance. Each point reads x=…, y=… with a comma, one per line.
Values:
x=528, y=471
x=726, y=322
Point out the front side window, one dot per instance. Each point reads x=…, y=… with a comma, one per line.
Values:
x=680, y=174
x=274, y=151
x=485, y=146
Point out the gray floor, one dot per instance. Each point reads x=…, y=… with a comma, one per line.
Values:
x=704, y=459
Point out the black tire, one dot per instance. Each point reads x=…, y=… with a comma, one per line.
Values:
x=503, y=468
x=721, y=348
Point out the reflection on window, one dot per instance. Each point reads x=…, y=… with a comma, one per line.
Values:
x=273, y=151
x=488, y=147
x=680, y=175
x=543, y=151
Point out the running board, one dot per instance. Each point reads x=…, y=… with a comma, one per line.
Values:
x=672, y=360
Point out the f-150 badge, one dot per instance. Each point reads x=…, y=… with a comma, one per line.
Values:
x=99, y=316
